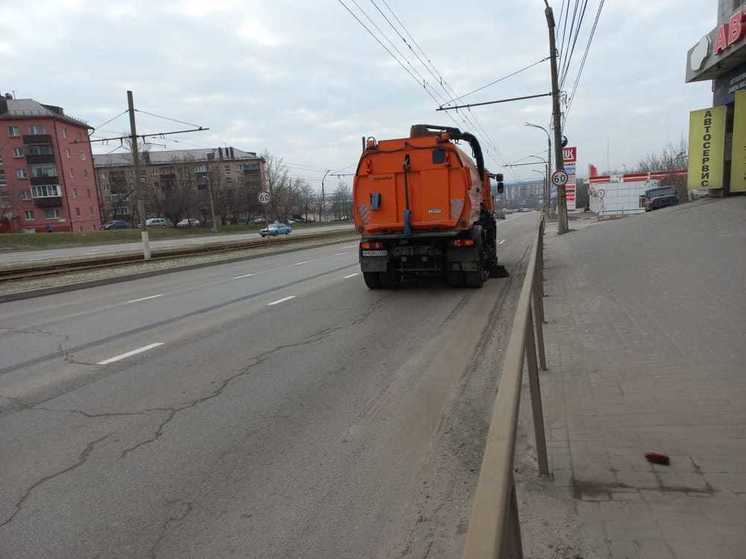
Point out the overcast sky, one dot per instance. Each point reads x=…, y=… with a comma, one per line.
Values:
x=305, y=81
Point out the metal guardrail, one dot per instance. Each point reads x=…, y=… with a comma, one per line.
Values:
x=494, y=528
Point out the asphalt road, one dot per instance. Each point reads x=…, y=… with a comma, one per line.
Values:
x=61, y=254
x=268, y=408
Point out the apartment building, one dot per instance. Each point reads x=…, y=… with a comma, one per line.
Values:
x=47, y=180
x=175, y=183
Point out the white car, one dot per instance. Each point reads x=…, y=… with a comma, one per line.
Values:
x=188, y=222
x=158, y=222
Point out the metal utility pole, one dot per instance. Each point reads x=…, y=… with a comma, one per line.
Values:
x=138, y=183
x=557, y=119
x=321, y=208
x=214, y=227
x=548, y=188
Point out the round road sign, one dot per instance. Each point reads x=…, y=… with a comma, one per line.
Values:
x=264, y=197
x=559, y=178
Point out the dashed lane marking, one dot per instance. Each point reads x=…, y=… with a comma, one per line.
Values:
x=144, y=298
x=137, y=351
x=352, y=275
x=281, y=300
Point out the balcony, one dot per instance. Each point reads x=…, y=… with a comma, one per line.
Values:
x=39, y=158
x=43, y=180
x=37, y=139
x=46, y=195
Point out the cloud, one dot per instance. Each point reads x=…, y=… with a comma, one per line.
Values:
x=305, y=81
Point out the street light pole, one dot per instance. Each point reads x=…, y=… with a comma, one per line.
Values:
x=547, y=188
x=138, y=184
x=321, y=208
x=557, y=119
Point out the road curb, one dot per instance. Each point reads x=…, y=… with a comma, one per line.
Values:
x=32, y=294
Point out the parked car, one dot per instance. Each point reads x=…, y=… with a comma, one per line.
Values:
x=660, y=197
x=116, y=224
x=275, y=229
x=499, y=213
x=158, y=222
x=188, y=222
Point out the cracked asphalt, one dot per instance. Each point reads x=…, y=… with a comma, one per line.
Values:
x=269, y=408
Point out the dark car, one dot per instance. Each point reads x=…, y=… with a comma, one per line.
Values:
x=659, y=197
x=116, y=224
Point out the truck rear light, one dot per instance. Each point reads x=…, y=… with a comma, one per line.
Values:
x=463, y=242
x=371, y=245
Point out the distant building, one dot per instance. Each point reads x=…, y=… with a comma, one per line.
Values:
x=524, y=194
x=175, y=183
x=47, y=181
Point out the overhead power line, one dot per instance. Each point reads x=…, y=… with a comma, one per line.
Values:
x=585, y=57
x=167, y=118
x=498, y=80
x=568, y=59
x=112, y=119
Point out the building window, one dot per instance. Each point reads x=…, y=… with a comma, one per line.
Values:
x=17, y=152
x=90, y=210
x=24, y=195
x=64, y=132
x=37, y=129
x=77, y=212
x=46, y=171
x=21, y=174
x=72, y=173
x=52, y=213
x=45, y=191
x=40, y=150
x=85, y=172
x=75, y=192
x=67, y=153
x=82, y=156
x=14, y=131
x=28, y=215
x=89, y=192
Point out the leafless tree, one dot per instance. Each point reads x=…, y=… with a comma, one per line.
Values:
x=670, y=158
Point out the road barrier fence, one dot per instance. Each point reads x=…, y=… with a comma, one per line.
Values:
x=494, y=528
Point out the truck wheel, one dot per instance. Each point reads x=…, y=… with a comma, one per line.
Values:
x=372, y=279
x=388, y=280
x=474, y=279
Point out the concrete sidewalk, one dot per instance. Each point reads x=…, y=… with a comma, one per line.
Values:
x=646, y=345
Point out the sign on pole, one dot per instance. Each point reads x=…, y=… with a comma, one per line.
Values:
x=570, y=159
x=738, y=165
x=264, y=197
x=706, y=148
x=559, y=178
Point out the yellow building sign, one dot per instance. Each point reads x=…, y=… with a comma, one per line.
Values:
x=706, y=148
x=738, y=166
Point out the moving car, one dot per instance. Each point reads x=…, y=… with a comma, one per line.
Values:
x=188, y=222
x=660, y=197
x=116, y=224
x=158, y=222
x=276, y=229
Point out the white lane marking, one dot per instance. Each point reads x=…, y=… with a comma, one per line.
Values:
x=281, y=300
x=244, y=276
x=130, y=353
x=340, y=254
x=352, y=275
x=144, y=298
x=501, y=242
x=301, y=262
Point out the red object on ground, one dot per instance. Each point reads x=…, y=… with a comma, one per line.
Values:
x=658, y=458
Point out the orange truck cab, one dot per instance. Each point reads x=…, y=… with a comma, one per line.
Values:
x=424, y=207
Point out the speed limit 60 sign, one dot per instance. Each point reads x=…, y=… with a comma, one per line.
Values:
x=559, y=178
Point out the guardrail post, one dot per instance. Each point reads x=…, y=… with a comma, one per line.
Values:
x=513, y=548
x=536, y=407
x=539, y=324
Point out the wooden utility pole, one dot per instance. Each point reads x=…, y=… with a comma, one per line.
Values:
x=557, y=119
x=138, y=182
